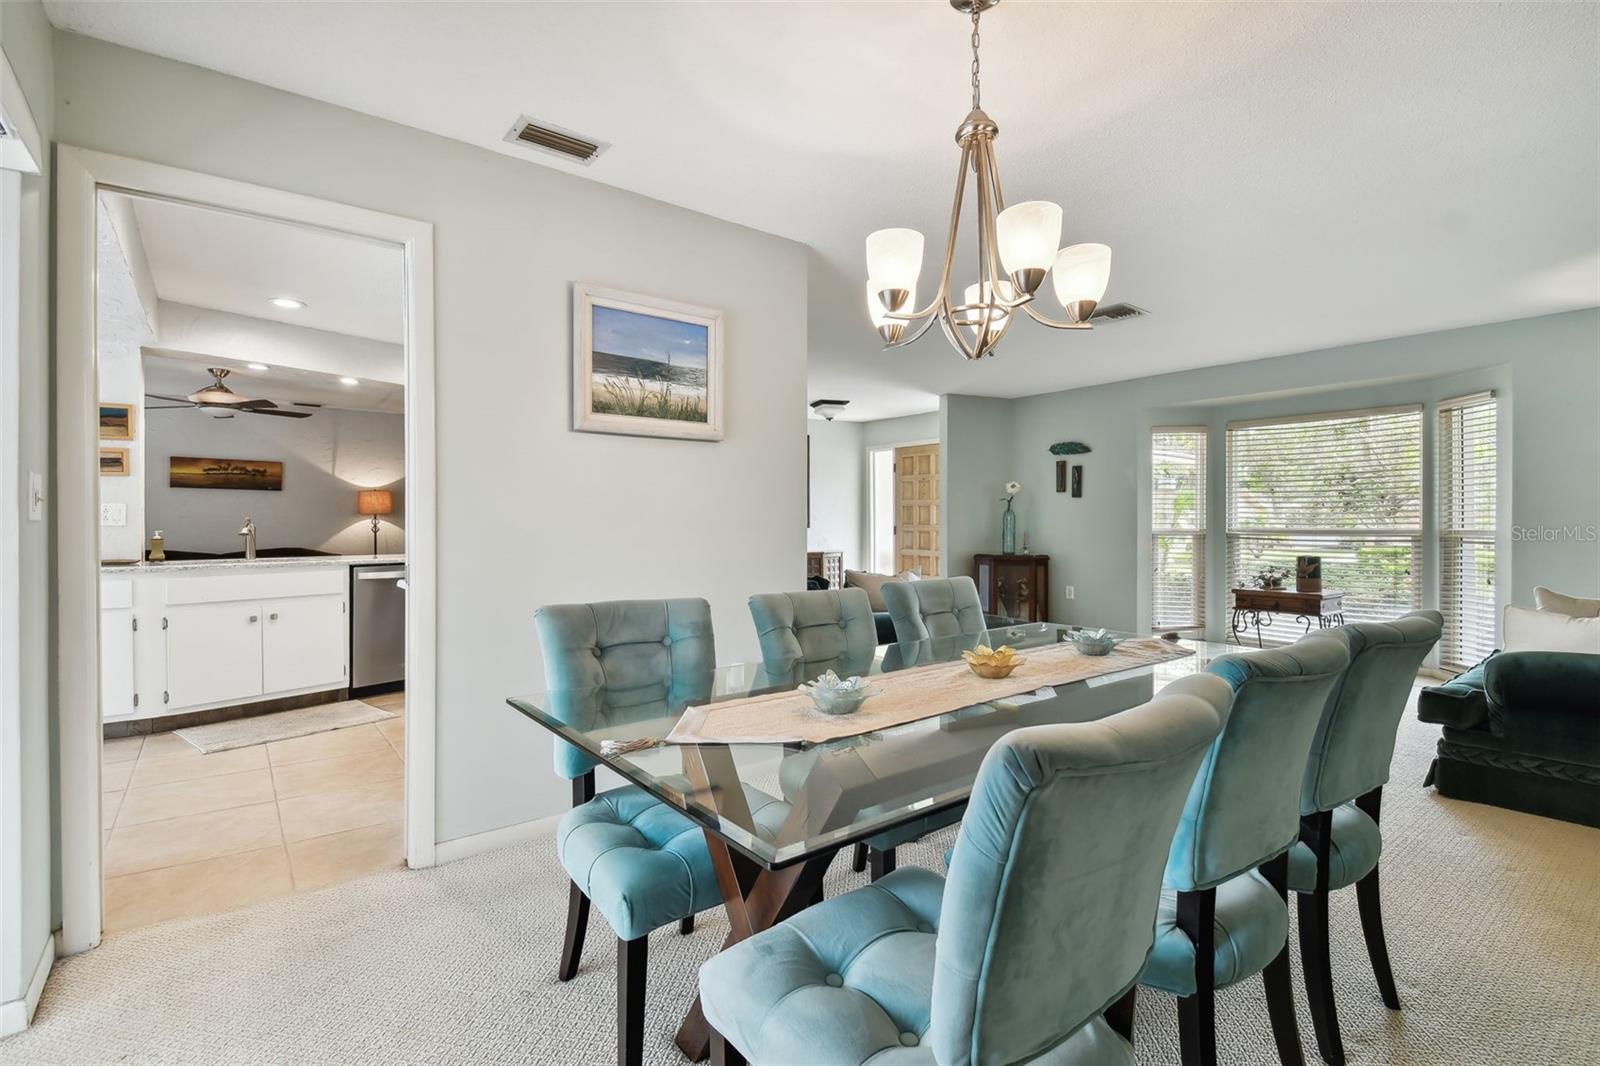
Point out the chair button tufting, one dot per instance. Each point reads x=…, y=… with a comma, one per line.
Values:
x=924, y=927
x=834, y=980
x=910, y=1039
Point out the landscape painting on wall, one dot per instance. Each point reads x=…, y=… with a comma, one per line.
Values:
x=116, y=421
x=188, y=472
x=113, y=462
x=646, y=367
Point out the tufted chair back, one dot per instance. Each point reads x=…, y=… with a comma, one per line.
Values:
x=625, y=654
x=803, y=634
x=1354, y=744
x=1243, y=807
x=1049, y=908
x=933, y=607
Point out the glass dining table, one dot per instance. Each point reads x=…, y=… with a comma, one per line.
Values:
x=770, y=858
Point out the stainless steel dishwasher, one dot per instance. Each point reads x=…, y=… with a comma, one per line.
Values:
x=377, y=627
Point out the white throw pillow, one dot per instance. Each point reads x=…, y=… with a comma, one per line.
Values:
x=872, y=583
x=1573, y=606
x=1525, y=630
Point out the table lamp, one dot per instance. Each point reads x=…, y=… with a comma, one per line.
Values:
x=374, y=502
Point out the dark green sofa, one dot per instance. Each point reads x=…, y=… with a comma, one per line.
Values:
x=1521, y=730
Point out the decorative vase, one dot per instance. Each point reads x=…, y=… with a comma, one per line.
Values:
x=1008, y=531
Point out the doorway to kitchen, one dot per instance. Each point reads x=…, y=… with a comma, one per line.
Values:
x=252, y=545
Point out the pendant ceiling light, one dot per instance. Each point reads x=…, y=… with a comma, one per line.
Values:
x=1018, y=247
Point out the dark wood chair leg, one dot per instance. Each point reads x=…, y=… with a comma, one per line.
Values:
x=686, y=925
x=882, y=862
x=633, y=957
x=1367, y=901
x=577, y=925
x=1197, y=1026
x=1312, y=907
x=858, y=859
x=724, y=1053
x=1120, y=1015
x=1275, y=978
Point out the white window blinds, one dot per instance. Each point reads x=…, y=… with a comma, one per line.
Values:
x=1468, y=463
x=1346, y=487
x=1178, y=527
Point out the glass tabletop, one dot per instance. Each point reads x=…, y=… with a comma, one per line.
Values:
x=782, y=803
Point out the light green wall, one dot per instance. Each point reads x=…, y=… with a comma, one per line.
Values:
x=1547, y=371
x=25, y=36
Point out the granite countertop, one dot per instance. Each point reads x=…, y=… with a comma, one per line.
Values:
x=177, y=565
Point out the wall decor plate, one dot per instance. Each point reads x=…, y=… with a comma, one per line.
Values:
x=644, y=366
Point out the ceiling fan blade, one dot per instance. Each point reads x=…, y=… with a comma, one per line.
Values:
x=279, y=414
x=255, y=404
x=169, y=399
x=174, y=407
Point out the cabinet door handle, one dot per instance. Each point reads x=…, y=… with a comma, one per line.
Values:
x=273, y=617
x=253, y=618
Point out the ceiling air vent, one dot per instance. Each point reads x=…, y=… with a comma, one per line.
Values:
x=543, y=137
x=1116, y=313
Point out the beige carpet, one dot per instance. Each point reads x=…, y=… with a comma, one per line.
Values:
x=1494, y=926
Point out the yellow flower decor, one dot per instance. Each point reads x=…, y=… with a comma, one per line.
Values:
x=992, y=662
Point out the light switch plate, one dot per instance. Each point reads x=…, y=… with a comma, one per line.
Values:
x=1068, y=592
x=113, y=514
x=35, y=496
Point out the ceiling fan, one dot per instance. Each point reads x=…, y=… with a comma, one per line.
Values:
x=218, y=397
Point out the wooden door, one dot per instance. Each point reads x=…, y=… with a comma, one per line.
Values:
x=916, y=509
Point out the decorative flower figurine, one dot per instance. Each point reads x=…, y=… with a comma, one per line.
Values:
x=1008, y=520
x=992, y=662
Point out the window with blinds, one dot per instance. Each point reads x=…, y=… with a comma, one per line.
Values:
x=1344, y=486
x=1468, y=463
x=1178, y=528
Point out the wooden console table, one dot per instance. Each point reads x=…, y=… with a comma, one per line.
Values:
x=825, y=564
x=1017, y=586
x=1250, y=605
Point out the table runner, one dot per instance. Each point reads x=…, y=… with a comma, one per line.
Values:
x=906, y=696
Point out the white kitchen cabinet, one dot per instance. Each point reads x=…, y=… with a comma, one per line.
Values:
x=303, y=643
x=213, y=653
x=118, y=687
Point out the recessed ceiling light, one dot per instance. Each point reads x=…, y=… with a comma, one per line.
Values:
x=348, y=381
x=258, y=366
x=288, y=303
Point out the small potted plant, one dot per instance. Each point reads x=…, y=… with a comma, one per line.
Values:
x=1271, y=576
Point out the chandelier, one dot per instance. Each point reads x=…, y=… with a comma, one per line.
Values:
x=1018, y=246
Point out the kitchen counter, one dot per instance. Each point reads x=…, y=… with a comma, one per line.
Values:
x=178, y=565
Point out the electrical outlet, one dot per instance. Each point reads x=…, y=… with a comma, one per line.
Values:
x=113, y=514
x=1068, y=592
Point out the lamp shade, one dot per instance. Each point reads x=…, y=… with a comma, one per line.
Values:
x=1029, y=234
x=894, y=259
x=374, y=502
x=1082, y=272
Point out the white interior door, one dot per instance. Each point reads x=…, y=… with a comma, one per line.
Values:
x=213, y=652
x=303, y=643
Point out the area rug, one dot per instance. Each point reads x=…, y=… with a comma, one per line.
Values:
x=1493, y=922
x=282, y=725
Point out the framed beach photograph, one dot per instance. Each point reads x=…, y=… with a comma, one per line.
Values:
x=113, y=462
x=116, y=421
x=644, y=366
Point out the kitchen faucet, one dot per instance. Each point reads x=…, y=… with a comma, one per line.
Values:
x=249, y=535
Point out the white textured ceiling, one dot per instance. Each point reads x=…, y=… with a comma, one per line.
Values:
x=239, y=263
x=1272, y=177
x=176, y=373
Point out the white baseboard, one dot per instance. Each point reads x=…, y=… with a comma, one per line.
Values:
x=505, y=836
x=18, y=1014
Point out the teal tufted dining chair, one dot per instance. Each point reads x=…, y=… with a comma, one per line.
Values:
x=1044, y=921
x=1340, y=798
x=805, y=634
x=933, y=607
x=1224, y=913
x=641, y=862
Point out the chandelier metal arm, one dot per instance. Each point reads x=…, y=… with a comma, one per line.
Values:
x=1045, y=320
x=940, y=297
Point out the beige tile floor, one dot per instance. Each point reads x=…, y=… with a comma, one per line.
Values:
x=190, y=834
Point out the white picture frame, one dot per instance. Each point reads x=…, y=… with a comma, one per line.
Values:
x=622, y=395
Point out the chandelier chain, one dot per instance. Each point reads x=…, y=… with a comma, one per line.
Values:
x=976, y=11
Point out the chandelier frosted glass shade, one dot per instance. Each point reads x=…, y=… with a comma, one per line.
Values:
x=1018, y=247
x=894, y=259
x=1028, y=234
x=1081, y=274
